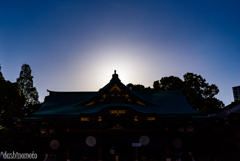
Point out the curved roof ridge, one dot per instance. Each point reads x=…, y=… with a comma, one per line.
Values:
x=117, y=81
x=115, y=93
x=70, y=91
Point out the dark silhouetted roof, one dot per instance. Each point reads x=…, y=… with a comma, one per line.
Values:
x=233, y=108
x=76, y=103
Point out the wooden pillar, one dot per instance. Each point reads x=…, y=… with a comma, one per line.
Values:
x=135, y=154
x=68, y=155
x=100, y=154
x=168, y=156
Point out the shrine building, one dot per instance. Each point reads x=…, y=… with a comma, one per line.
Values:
x=119, y=124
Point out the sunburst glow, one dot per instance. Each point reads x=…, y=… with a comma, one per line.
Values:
x=126, y=60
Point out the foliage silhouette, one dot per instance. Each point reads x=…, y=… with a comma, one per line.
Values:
x=11, y=100
x=200, y=95
x=25, y=82
x=138, y=87
x=168, y=84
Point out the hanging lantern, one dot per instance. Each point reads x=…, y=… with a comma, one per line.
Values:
x=144, y=140
x=54, y=144
x=91, y=141
x=177, y=143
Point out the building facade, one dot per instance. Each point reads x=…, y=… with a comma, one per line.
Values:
x=236, y=92
x=119, y=124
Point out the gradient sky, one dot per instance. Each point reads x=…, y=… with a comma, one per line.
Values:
x=77, y=45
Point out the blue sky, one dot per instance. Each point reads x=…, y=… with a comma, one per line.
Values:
x=76, y=45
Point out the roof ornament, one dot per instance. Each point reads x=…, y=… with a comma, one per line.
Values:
x=115, y=75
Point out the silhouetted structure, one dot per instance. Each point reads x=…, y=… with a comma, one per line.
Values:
x=117, y=123
x=236, y=92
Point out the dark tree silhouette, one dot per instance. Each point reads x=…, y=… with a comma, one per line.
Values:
x=1, y=75
x=12, y=100
x=200, y=95
x=138, y=87
x=170, y=83
x=25, y=82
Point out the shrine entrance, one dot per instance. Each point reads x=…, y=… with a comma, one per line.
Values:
x=118, y=149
